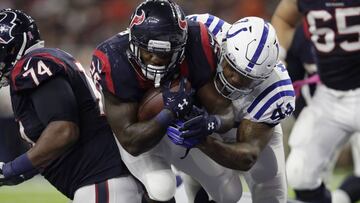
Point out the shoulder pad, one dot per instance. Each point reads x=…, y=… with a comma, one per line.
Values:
x=274, y=100
x=31, y=71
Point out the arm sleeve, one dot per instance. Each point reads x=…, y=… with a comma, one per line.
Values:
x=55, y=101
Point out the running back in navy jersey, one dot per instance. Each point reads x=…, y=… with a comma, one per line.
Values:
x=114, y=71
x=95, y=156
x=334, y=27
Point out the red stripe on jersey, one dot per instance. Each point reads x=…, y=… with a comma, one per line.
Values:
x=306, y=29
x=16, y=71
x=107, y=192
x=207, y=47
x=51, y=57
x=106, y=69
x=96, y=193
x=184, y=69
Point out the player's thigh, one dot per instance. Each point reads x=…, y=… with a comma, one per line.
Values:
x=314, y=141
x=116, y=190
x=267, y=179
x=222, y=184
x=153, y=170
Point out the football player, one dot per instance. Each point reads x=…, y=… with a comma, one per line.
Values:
x=332, y=117
x=159, y=47
x=60, y=115
x=250, y=75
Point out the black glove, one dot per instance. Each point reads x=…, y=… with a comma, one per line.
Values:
x=180, y=102
x=15, y=180
x=202, y=124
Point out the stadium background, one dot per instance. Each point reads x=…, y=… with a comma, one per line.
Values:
x=77, y=26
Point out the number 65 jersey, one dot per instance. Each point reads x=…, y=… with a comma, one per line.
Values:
x=272, y=100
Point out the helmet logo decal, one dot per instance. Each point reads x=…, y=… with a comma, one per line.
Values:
x=182, y=23
x=181, y=20
x=6, y=25
x=260, y=47
x=137, y=20
x=228, y=35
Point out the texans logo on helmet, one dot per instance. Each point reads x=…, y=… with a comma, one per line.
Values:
x=182, y=24
x=181, y=20
x=137, y=20
x=6, y=25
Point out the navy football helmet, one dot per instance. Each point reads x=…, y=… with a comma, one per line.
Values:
x=158, y=26
x=18, y=32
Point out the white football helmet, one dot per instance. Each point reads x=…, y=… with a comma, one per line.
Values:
x=251, y=47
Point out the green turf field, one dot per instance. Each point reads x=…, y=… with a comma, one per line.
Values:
x=38, y=190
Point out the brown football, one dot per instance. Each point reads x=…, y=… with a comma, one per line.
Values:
x=152, y=102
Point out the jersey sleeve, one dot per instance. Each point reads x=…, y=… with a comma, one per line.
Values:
x=112, y=72
x=202, y=55
x=275, y=101
x=216, y=25
x=32, y=71
x=101, y=71
x=55, y=101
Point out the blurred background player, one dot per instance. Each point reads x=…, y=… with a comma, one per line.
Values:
x=159, y=47
x=329, y=121
x=262, y=95
x=59, y=114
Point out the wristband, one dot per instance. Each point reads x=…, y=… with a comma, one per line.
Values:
x=165, y=117
x=18, y=166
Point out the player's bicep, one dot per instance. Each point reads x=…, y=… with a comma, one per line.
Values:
x=256, y=134
x=55, y=101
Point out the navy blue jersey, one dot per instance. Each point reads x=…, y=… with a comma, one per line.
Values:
x=95, y=156
x=115, y=72
x=334, y=27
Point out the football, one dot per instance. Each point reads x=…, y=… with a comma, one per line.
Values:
x=152, y=102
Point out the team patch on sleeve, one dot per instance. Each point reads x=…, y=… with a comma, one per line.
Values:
x=31, y=71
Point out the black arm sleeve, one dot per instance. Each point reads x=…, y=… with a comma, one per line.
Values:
x=55, y=101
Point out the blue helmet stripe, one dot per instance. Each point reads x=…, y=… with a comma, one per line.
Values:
x=218, y=27
x=267, y=91
x=209, y=20
x=260, y=46
x=272, y=100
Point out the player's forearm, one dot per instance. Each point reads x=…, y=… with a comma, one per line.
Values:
x=284, y=20
x=227, y=119
x=237, y=156
x=57, y=137
x=142, y=136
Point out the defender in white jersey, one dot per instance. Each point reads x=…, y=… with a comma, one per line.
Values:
x=250, y=75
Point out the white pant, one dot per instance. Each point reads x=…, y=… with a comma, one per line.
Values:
x=267, y=178
x=320, y=131
x=153, y=169
x=116, y=190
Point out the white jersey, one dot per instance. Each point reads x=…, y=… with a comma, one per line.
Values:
x=272, y=100
x=215, y=25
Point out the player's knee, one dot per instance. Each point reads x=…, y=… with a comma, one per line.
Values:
x=299, y=174
x=231, y=191
x=160, y=185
